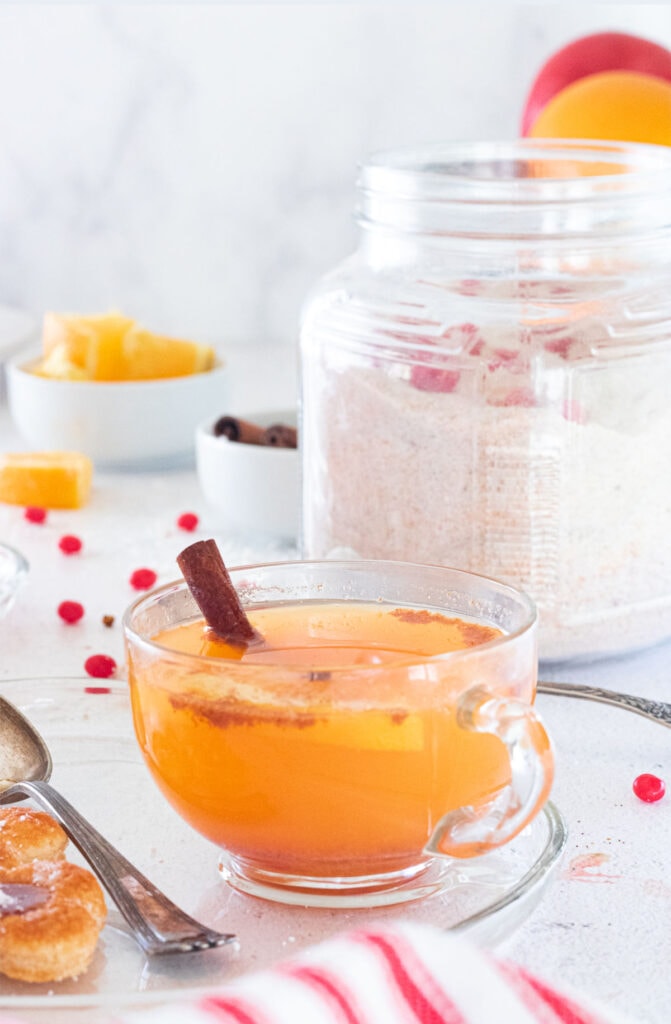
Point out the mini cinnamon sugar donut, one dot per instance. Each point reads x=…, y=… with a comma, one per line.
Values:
x=51, y=914
x=27, y=835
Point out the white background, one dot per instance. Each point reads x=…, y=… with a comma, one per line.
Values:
x=194, y=164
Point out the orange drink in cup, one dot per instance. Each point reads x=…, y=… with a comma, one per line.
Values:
x=382, y=723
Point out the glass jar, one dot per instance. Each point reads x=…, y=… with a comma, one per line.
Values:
x=486, y=382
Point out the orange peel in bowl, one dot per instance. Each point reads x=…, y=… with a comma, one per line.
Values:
x=149, y=356
x=624, y=106
x=57, y=479
x=83, y=347
x=112, y=347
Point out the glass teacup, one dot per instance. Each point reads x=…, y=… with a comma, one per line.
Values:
x=384, y=728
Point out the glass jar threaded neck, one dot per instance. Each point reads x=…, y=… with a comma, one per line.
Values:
x=562, y=190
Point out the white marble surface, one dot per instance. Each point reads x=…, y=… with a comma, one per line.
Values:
x=194, y=163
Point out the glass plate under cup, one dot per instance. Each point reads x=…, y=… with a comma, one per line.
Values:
x=97, y=765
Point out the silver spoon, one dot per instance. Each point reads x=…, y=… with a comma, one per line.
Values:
x=156, y=923
x=655, y=710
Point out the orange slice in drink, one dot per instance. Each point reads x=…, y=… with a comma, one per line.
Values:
x=46, y=479
x=366, y=730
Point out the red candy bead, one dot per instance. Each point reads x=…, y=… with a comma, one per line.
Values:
x=649, y=788
x=143, y=579
x=100, y=666
x=188, y=521
x=70, y=611
x=69, y=544
x=34, y=514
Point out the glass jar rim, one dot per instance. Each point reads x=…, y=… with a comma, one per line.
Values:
x=519, y=169
x=560, y=189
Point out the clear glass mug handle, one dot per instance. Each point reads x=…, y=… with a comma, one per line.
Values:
x=470, y=831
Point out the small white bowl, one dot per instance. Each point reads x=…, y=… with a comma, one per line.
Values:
x=119, y=424
x=255, y=489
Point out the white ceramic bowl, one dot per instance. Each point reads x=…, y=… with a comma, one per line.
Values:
x=253, y=488
x=124, y=424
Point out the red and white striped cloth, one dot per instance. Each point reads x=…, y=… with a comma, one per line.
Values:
x=402, y=974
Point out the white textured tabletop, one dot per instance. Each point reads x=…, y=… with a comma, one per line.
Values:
x=604, y=925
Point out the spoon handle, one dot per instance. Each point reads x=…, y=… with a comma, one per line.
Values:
x=655, y=710
x=157, y=924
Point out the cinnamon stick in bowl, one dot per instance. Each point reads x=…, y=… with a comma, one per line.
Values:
x=239, y=430
x=279, y=435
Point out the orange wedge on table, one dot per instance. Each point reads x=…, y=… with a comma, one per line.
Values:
x=46, y=479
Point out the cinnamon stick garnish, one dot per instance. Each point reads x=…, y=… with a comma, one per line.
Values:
x=239, y=430
x=208, y=580
x=281, y=436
